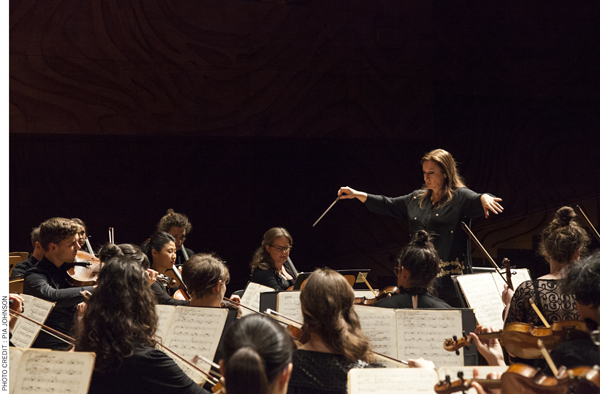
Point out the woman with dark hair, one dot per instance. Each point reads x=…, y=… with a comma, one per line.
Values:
x=561, y=244
x=257, y=355
x=160, y=250
x=438, y=207
x=271, y=265
x=119, y=326
x=179, y=226
x=418, y=265
x=336, y=342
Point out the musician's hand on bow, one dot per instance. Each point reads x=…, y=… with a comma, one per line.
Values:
x=490, y=349
x=347, y=193
x=420, y=363
x=236, y=300
x=16, y=304
x=151, y=275
x=479, y=388
x=490, y=203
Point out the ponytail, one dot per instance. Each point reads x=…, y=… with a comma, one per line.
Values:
x=245, y=372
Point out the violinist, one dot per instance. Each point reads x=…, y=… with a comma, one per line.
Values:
x=336, y=342
x=160, y=250
x=206, y=277
x=82, y=232
x=438, y=207
x=179, y=226
x=561, y=244
x=418, y=265
x=271, y=265
x=121, y=333
x=34, y=258
x=48, y=280
x=257, y=355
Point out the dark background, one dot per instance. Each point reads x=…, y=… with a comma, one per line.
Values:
x=248, y=115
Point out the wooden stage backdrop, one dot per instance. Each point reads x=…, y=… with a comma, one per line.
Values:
x=247, y=115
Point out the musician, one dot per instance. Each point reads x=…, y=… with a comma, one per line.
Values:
x=179, y=226
x=418, y=265
x=336, y=342
x=119, y=326
x=257, y=355
x=271, y=265
x=438, y=207
x=561, y=244
x=34, y=258
x=206, y=277
x=82, y=232
x=48, y=280
x=160, y=250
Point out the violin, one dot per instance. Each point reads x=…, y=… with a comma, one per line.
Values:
x=521, y=378
x=182, y=292
x=85, y=270
x=379, y=295
x=520, y=339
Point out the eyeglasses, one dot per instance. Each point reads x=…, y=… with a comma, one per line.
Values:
x=281, y=248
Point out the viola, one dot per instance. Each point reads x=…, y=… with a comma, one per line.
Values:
x=520, y=339
x=85, y=269
x=521, y=378
x=379, y=295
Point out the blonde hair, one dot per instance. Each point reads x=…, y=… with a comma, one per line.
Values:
x=448, y=166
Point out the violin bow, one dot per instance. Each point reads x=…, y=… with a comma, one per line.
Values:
x=547, y=357
x=535, y=308
x=367, y=283
x=46, y=329
x=209, y=378
x=485, y=252
x=589, y=222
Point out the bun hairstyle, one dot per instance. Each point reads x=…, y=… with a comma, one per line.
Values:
x=255, y=352
x=174, y=219
x=583, y=280
x=420, y=258
x=563, y=237
x=134, y=252
x=328, y=308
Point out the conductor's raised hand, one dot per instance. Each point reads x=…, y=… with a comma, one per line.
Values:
x=347, y=193
x=490, y=203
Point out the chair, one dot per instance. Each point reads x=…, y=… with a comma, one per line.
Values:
x=13, y=260
x=15, y=286
x=24, y=255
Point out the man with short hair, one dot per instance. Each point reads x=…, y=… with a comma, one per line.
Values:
x=34, y=258
x=48, y=280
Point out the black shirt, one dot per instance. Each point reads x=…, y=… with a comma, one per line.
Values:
x=180, y=259
x=444, y=222
x=148, y=370
x=164, y=298
x=22, y=267
x=48, y=282
x=404, y=300
x=273, y=279
x=320, y=373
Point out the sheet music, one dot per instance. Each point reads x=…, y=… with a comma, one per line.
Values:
x=391, y=381
x=288, y=304
x=468, y=373
x=379, y=325
x=421, y=333
x=518, y=276
x=25, y=332
x=482, y=296
x=164, y=314
x=368, y=294
x=251, y=297
x=14, y=358
x=195, y=331
x=43, y=371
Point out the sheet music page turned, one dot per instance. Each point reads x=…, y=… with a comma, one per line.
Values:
x=25, y=332
x=482, y=296
x=165, y=314
x=421, y=333
x=288, y=304
x=195, y=331
x=379, y=325
x=392, y=381
x=47, y=371
x=251, y=297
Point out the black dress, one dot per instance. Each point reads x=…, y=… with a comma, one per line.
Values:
x=320, y=373
x=148, y=370
x=444, y=223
